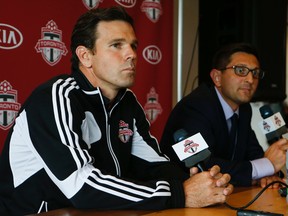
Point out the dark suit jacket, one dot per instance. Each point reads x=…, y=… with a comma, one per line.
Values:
x=201, y=111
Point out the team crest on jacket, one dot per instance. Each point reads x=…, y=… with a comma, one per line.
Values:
x=50, y=45
x=90, y=4
x=152, y=8
x=9, y=106
x=124, y=132
x=190, y=146
x=152, y=108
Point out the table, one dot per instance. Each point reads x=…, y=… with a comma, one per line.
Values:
x=269, y=201
x=76, y=212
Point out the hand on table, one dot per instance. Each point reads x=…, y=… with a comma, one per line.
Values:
x=207, y=188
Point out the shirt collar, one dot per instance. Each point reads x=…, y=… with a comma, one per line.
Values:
x=226, y=108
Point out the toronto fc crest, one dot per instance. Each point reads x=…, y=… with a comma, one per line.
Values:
x=153, y=9
x=124, y=132
x=9, y=106
x=90, y=4
x=266, y=126
x=190, y=146
x=277, y=120
x=152, y=108
x=126, y=3
x=50, y=45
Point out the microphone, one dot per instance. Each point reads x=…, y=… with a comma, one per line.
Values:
x=283, y=191
x=192, y=150
x=273, y=125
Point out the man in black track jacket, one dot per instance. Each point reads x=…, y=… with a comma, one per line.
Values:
x=83, y=141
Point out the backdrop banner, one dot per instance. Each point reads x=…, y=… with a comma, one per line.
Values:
x=35, y=46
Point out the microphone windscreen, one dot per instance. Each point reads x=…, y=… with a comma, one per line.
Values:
x=180, y=135
x=266, y=111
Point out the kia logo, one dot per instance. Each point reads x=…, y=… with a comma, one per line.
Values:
x=10, y=37
x=152, y=54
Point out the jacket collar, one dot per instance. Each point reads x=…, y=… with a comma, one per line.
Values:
x=88, y=88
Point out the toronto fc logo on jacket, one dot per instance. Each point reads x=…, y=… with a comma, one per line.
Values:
x=190, y=146
x=124, y=132
x=50, y=44
x=9, y=106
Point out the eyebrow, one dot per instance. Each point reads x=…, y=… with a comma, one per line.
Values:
x=123, y=40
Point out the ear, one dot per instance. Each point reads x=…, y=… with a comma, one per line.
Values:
x=216, y=76
x=84, y=56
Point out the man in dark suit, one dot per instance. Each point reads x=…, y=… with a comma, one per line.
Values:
x=208, y=110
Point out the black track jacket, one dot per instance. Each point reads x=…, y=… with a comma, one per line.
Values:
x=67, y=149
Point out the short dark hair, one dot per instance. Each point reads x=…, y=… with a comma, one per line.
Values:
x=85, y=29
x=223, y=56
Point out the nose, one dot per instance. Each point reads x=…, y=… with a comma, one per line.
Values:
x=131, y=53
x=249, y=78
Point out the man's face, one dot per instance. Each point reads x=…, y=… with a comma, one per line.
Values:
x=114, y=60
x=235, y=89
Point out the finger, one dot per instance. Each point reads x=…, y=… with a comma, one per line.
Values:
x=283, y=144
x=193, y=171
x=263, y=182
x=276, y=185
x=228, y=190
x=284, y=147
x=224, y=180
x=218, y=176
x=214, y=170
x=282, y=141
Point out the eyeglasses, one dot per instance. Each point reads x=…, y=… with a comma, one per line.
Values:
x=243, y=71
